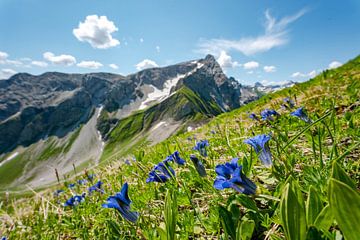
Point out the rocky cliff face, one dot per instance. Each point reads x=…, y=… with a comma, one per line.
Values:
x=53, y=104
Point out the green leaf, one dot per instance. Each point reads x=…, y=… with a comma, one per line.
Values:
x=345, y=205
x=339, y=174
x=247, y=202
x=313, y=206
x=292, y=212
x=170, y=213
x=324, y=219
x=227, y=222
x=245, y=230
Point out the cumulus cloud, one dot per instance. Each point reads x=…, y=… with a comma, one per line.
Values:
x=269, y=69
x=97, y=31
x=89, y=64
x=225, y=61
x=334, y=64
x=146, y=63
x=113, y=66
x=251, y=65
x=303, y=75
x=39, y=63
x=3, y=57
x=6, y=73
x=63, y=59
x=275, y=35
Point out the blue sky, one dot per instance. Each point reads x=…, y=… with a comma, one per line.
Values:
x=255, y=41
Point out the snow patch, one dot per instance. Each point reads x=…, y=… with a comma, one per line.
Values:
x=159, y=95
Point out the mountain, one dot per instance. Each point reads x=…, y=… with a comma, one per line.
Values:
x=264, y=89
x=55, y=120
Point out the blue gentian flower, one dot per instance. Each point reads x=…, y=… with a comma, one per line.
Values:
x=4, y=238
x=71, y=185
x=212, y=132
x=290, y=103
x=229, y=175
x=121, y=202
x=58, y=192
x=161, y=173
x=268, y=113
x=253, y=116
x=127, y=162
x=81, y=181
x=261, y=147
x=96, y=187
x=74, y=200
x=301, y=114
x=91, y=177
x=176, y=158
x=198, y=165
x=201, y=147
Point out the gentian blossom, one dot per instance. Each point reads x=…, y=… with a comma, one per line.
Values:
x=290, y=103
x=301, y=114
x=81, y=181
x=71, y=185
x=201, y=147
x=198, y=165
x=58, y=192
x=253, y=116
x=121, y=202
x=261, y=147
x=90, y=177
x=96, y=187
x=127, y=162
x=161, y=173
x=268, y=113
x=229, y=175
x=74, y=200
x=4, y=238
x=176, y=158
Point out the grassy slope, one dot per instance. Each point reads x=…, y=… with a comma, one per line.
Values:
x=308, y=159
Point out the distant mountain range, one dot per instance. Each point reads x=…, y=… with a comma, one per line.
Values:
x=55, y=120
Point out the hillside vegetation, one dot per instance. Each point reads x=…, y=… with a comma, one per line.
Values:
x=310, y=191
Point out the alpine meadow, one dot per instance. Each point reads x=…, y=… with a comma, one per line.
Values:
x=241, y=122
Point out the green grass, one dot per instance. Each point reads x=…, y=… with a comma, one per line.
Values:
x=314, y=176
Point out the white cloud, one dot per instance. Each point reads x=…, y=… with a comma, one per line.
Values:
x=39, y=63
x=63, y=59
x=303, y=75
x=225, y=61
x=3, y=57
x=269, y=69
x=113, y=66
x=6, y=73
x=334, y=64
x=146, y=63
x=251, y=65
x=141, y=40
x=97, y=31
x=157, y=48
x=275, y=35
x=89, y=64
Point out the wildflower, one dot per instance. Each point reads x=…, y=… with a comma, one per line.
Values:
x=121, y=202
x=71, y=185
x=161, y=173
x=301, y=114
x=96, y=187
x=201, y=147
x=176, y=158
x=212, y=132
x=253, y=116
x=259, y=143
x=81, y=181
x=127, y=162
x=268, y=113
x=74, y=200
x=229, y=175
x=90, y=177
x=198, y=165
x=58, y=192
x=289, y=103
x=3, y=238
